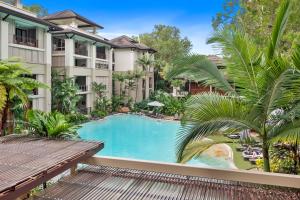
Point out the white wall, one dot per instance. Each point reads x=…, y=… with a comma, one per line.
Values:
x=124, y=59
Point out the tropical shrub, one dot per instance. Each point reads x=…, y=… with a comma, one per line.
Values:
x=281, y=161
x=116, y=102
x=52, y=125
x=77, y=118
x=64, y=94
x=15, y=85
x=140, y=106
x=171, y=106
x=99, y=113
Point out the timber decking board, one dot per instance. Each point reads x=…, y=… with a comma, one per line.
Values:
x=108, y=183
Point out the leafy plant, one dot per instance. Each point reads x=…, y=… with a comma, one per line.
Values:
x=52, y=124
x=64, y=94
x=15, y=84
x=116, y=102
x=77, y=118
x=99, y=89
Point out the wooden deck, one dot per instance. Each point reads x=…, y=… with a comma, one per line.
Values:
x=26, y=162
x=102, y=182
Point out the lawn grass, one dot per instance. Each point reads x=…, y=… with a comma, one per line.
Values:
x=237, y=156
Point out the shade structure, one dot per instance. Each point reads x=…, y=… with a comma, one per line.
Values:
x=28, y=161
x=155, y=104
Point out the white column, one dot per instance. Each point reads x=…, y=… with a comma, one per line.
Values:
x=48, y=60
x=93, y=56
x=147, y=86
x=3, y=40
x=69, y=57
x=110, y=62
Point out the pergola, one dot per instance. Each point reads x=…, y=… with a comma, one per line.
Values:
x=26, y=162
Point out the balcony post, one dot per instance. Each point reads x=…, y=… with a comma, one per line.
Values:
x=69, y=57
x=93, y=56
x=3, y=40
x=48, y=62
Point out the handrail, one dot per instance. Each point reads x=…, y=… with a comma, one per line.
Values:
x=284, y=180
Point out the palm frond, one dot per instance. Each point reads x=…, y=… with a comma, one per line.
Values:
x=207, y=107
x=296, y=56
x=279, y=28
x=3, y=97
x=198, y=68
x=286, y=132
x=195, y=149
x=241, y=57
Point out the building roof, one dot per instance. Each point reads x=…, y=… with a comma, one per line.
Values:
x=12, y=10
x=68, y=14
x=94, y=182
x=91, y=36
x=26, y=162
x=216, y=60
x=127, y=42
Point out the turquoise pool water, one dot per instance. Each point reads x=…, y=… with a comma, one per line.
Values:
x=140, y=137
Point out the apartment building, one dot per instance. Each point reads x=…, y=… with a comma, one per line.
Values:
x=126, y=54
x=24, y=35
x=79, y=52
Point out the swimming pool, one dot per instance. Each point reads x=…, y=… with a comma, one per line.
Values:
x=140, y=137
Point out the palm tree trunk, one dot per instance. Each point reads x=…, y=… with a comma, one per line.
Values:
x=266, y=155
x=10, y=119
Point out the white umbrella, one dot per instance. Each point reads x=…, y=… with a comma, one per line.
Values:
x=155, y=104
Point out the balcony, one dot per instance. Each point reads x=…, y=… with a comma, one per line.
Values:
x=79, y=62
x=101, y=55
x=81, y=51
x=81, y=48
x=83, y=88
x=104, y=66
x=81, y=83
x=27, y=41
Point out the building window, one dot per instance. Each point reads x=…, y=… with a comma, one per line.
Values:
x=58, y=44
x=101, y=52
x=144, y=83
x=79, y=62
x=150, y=82
x=81, y=48
x=26, y=37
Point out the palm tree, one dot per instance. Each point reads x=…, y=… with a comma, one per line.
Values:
x=53, y=124
x=146, y=61
x=15, y=83
x=120, y=77
x=264, y=83
x=137, y=74
x=158, y=66
x=99, y=89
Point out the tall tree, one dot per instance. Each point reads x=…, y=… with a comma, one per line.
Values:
x=257, y=17
x=168, y=42
x=265, y=82
x=35, y=8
